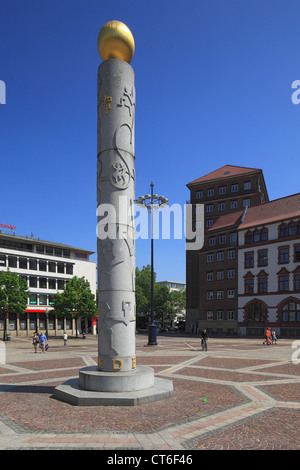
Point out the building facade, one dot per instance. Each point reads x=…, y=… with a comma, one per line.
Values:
x=46, y=266
x=212, y=271
x=269, y=269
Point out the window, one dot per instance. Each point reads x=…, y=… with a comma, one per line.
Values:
x=233, y=239
x=220, y=294
x=297, y=282
x=210, y=258
x=209, y=223
x=249, y=260
x=60, y=268
x=283, y=282
x=249, y=286
x=209, y=315
x=49, y=250
x=67, y=253
x=264, y=234
x=220, y=275
x=220, y=314
x=221, y=206
x=283, y=254
x=248, y=238
x=233, y=204
x=210, y=192
x=42, y=265
x=262, y=256
x=198, y=224
x=234, y=188
x=262, y=285
x=51, y=267
x=2, y=260
x=58, y=251
x=230, y=314
x=52, y=283
x=33, y=299
x=230, y=254
x=33, y=264
x=247, y=185
x=60, y=284
x=209, y=208
x=222, y=190
x=220, y=256
x=69, y=268
x=256, y=312
x=42, y=283
x=282, y=230
x=230, y=273
x=12, y=261
x=291, y=312
x=209, y=295
x=40, y=248
x=32, y=281
x=212, y=241
x=292, y=229
x=210, y=276
x=256, y=236
x=222, y=239
x=199, y=194
x=42, y=299
x=246, y=202
x=23, y=263
x=296, y=253
x=230, y=293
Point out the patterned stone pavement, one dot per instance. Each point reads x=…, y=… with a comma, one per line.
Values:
x=238, y=395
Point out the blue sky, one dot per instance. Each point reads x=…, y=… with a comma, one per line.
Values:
x=213, y=87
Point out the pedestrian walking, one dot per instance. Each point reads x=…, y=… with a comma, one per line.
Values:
x=35, y=341
x=42, y=339
x=65, y=338
x=267, y=337
x=274, y=337
x=204, y=338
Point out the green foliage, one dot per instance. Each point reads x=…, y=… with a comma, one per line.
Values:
x=164, y=306
x=13, y=293
x=76, y=300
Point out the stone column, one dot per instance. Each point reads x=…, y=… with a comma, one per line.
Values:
x=115, y=227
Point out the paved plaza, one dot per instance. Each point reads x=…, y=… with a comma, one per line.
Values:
x=239, y=395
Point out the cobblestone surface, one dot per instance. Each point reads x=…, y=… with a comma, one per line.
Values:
x=237, y=395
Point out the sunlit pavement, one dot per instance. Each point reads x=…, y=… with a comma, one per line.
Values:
x=238, y=395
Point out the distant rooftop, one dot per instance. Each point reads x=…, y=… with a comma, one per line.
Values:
x=225, y=172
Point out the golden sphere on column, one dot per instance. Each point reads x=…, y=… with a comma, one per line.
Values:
x=115, y=41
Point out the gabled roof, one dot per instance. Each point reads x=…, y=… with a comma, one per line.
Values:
x=262, y=214
x=273, y=211
x=225, y=171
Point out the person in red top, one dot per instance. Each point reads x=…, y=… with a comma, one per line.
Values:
x=267, y=336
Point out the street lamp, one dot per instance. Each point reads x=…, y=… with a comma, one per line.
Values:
x=152, y=202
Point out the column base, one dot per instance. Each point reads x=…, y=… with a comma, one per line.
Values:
x=97, y=388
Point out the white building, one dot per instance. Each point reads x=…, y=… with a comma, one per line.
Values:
x=46, y=266
x=269, y=268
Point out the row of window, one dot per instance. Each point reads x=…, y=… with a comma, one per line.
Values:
x=44, y=282
x=35, y=264
x=262, y=283
x=234, y=188
x=284, y=230
x=221, y=206
x=220, y=256
x=220, y=294
x=41, y=299
x=61, y=323
x=257, y=312
x=262, y=256
x=220, y=315
x=223, y=239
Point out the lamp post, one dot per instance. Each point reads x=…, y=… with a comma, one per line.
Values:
x=152, y=202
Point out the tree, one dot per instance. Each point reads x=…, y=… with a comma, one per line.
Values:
x=13, y=295
x=76, y=301
x=163, y=308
